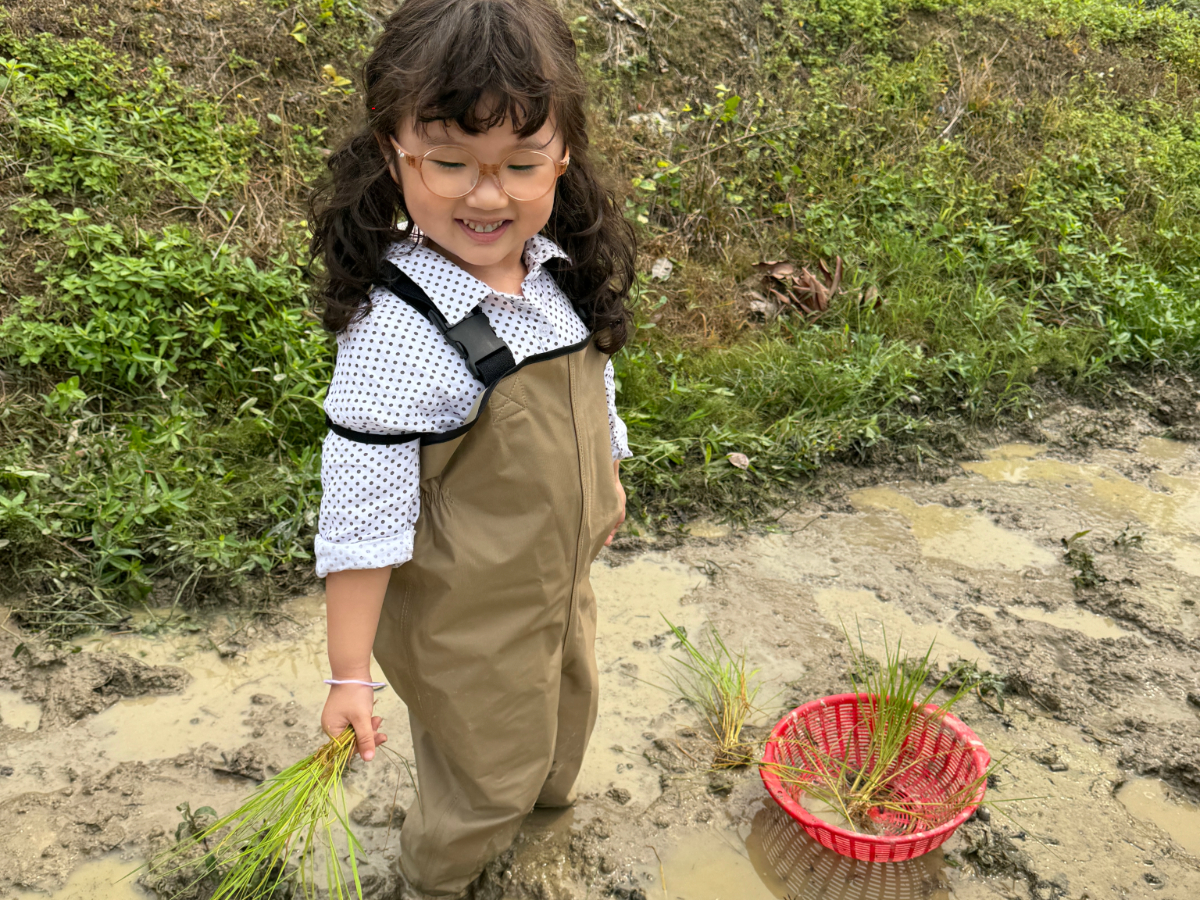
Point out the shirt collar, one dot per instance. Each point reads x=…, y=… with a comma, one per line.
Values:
x=539, y=249
x=454, y=292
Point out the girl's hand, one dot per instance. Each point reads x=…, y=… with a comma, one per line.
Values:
x=352, y=704
x=621, y=497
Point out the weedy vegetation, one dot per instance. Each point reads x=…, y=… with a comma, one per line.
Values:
x=1077, y=555
x=1011, y=189
x=981, y=682
x=715, y=682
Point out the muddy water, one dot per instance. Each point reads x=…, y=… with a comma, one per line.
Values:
x=1067, y=618
x=635, y=602
x=974, y=563
x=17, y=713
x=1153, y=801
x=107, y=878
x=156, y=727
x=1169, y=504
x=776, y=859
x=863, y=613
x=961, y=535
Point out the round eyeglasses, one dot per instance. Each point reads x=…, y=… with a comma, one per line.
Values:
x=452, y=172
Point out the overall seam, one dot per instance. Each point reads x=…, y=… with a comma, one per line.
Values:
x=405, y=605
x=572, y=382
x=515, y=401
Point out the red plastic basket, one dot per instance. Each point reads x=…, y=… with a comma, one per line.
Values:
x=939, y=758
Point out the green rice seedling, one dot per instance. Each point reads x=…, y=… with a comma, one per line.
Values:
x=863, y=777
x=300, y=812
x=716, y=682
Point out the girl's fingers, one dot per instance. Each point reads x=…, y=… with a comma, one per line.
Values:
x=616, y=528
x=364, y=740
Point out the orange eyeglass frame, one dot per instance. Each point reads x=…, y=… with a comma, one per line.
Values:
x=492, y=169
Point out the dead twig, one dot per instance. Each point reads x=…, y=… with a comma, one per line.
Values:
x=680, y=748
x=4, y=624
x=662, y=872
x=225, y=237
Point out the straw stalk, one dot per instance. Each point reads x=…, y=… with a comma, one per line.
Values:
x=301, y=813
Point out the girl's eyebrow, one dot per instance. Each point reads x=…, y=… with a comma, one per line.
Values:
x=445, y=139
x=530, y=141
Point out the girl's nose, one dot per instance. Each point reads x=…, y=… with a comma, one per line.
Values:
x=488, y=194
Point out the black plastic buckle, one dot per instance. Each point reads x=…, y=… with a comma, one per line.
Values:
x=474, y=339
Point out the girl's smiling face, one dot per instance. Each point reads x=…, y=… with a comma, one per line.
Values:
x=485, y=231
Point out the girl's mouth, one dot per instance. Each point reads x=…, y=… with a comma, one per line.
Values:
x=483, y=232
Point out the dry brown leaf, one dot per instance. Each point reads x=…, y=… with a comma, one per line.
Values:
x=805, y=292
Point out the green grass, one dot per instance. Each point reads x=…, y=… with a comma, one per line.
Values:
x=159, y=442
x=1015, y=185
x=1018, y=226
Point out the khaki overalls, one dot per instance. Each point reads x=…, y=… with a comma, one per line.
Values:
x=488, y=632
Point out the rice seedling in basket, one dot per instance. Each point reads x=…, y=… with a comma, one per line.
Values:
x=883, y=760
x=290, y=830
x=716, y=682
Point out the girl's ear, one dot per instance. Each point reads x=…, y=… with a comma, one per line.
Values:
x=390, y=156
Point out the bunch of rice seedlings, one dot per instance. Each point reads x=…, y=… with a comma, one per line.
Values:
x=301, y=811
x=862, y=781
x=716, y=682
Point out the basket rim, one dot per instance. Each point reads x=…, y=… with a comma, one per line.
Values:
x=792, y=807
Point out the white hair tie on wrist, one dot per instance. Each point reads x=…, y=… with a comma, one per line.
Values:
x=370, y=684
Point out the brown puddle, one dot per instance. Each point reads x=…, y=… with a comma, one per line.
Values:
x=963, y=536
x=1170, y=505
x=105, y=878
x=1153, y=801
x=631, y=652
x=777, y=859
x=863, y=612
x=18, y=713
x=209, y=709
x=1071, y=618
x=1165, y=451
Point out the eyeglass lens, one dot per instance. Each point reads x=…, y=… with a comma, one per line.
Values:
x=453, y=172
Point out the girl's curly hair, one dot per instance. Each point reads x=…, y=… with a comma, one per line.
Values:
x=478, y=64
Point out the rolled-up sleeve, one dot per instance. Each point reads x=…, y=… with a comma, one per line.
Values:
x=617, y=431
x=369, y=505
x=394, y=375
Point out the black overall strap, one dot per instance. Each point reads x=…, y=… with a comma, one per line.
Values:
x=487, y=357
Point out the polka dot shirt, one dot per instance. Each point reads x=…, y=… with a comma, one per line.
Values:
x=396, y=374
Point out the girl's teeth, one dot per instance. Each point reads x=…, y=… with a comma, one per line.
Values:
x=483, y=229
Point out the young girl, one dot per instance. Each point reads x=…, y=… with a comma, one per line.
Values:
x=471, y=471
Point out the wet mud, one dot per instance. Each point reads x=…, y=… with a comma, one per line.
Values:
x=1095, y=640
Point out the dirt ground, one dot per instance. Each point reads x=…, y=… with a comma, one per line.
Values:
x=1100, y=648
